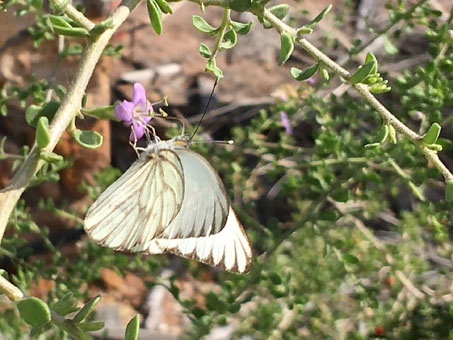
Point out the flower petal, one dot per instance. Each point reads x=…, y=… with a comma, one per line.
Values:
x=138, y=130
x=145, y=119
x=139, y=95
x=124, y=111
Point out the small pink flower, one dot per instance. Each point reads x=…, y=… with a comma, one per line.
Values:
x=136, y=113
x=286, y=123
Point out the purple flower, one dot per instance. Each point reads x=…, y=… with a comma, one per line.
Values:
x=286, y=123
x=136, y=113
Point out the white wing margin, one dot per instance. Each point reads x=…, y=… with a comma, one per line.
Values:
x=229, y=249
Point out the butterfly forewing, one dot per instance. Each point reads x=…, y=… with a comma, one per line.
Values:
x=137, y=206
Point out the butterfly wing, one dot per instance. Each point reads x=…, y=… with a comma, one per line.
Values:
x=171, y=200
x=206, y=228
x=140, y=204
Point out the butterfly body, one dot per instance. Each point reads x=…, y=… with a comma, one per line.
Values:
x=171, y=200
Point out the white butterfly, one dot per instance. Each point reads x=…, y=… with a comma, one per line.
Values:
x=171, y=200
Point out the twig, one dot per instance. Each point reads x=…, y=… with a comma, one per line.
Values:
x=66, y=112
x=11, y=291
x=386, y=115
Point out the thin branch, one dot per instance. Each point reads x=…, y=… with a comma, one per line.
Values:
x=75, y=15
x=11, y=291
x=386, y=115
x=66, y=112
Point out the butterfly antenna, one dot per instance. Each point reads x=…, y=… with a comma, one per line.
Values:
x=205, y=109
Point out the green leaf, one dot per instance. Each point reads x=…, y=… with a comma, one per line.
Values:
x=79, y=32
x=286, y=47
x=241, y=28
x=328, y=215
x=102, y=112
x=304, y=30
x=204, y=51
x=66, y=305
x=132, y=328
x=42, y=132
x=320, y=16
x=34, y=112
x=99, y=28
x=50, y=157
x=164, y=6
x=91, y=326
x=350, y=259
x=372, y=145
x=383, y=134
x=57, y=20
x=201, y=25
x=432, y=134
x=379, y=88
x=388, y=46
x=83, y=313
x=58, y=7
x=34, y=311
x=324, y=74
x=303, y=74
x=435, y=147
x=88, y=138
x=240, y=5
x=392, y=134
x=211, y=66
x=230, y=39
x=280, y=11
x=155, y=16
x=363, y=72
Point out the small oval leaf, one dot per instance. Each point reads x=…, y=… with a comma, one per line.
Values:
x=34, y=112
x=88, y=138
x=58, y=20
x=303, y=74
x=155, y=16
x=432, y=134
x=230, y=39
x=50, y=157
x=99, y=28
x=79, y=32
x=241, y=28
x=200, y=24
x=34, y=311
x=83, y=313
x=351, y=259
x=204, y=51
x=325, y=74
x=363, y=72
x=164, y=6
x=42, y=132
x=286, y=47
x=132, y=328
x=280, y=11
x=91, y=326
